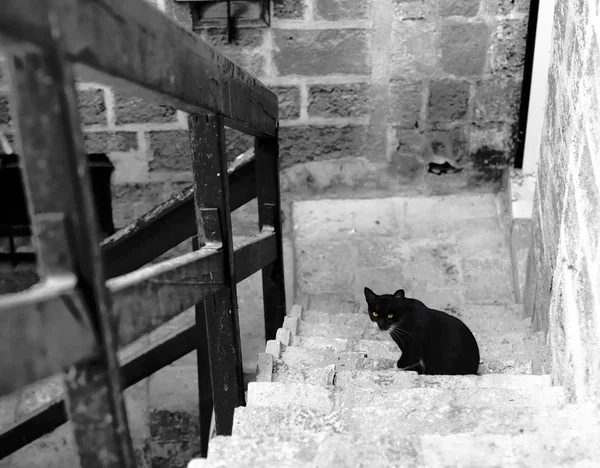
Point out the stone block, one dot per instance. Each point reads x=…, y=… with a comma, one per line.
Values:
x=132, y=109
x=289, y=101
x=450, y=144
x=336, y=10
x=496, y=100
x=5, y=117
x=464, y=47
x=296, y=311
x=505, y=7
x=485, y=451
x=169, y=150
x=342, y=100
x=264, y=371
x=406, y=101
x=92, y=106
x=322, y=342
x=284, y=336
x=321, y=52
x=468, y=8
x=587, y=178
x=245, y=39
x=282, y=395
x=407, y=159
x=415, y=53
x=107, y=142
x=130, y=201
x=448, y=100
x=54, y=450
x=508, y=48
x=292, y=324
x=274, y=348
x=354, y=320
x=289, y=9
x=300, y=144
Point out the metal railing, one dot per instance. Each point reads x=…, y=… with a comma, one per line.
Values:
x=94, y=299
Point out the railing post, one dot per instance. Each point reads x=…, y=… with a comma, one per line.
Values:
x=269, y=217
x=211, y=195
x=57, y=182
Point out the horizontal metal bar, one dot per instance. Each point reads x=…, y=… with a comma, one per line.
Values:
x=136, y=47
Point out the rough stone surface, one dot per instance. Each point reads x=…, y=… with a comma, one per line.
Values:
x=289, y=101
x=335, y=10
x=448, y=100
x=99, y=142
x=464, y=47
x=320, y=52
x=497, y=100
x=170, y=151
x=414, y=51
x=347, y=100
x=92, y=107
x=289, y=9
x=132, y=109
x=562, y=285
x=508, y=48
x=309, y=143
x=406, y=100
x=468, y=8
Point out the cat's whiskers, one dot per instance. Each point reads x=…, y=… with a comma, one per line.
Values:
x=396, y=336
x=400, y=330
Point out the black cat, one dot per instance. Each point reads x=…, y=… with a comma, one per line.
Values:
x=432, y=342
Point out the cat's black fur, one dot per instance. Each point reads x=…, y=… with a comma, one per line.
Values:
x=432, y=342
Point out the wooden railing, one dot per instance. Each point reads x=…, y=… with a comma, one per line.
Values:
x=94, y=299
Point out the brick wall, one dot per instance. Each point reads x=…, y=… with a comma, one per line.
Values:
x=563, y=281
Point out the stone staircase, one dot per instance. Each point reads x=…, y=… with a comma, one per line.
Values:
x=327, y=393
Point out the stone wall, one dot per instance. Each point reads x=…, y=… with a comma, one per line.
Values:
x=563, y=281
x=371, y=92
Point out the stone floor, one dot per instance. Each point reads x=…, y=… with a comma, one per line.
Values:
x=450, y=252
x=327, y=392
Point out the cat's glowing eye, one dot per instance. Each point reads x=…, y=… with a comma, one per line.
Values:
x=375, y=314
x=390, y=315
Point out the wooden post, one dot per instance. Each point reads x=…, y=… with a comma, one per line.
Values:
x=269, y=217
x=65, y=229
x=211, y=195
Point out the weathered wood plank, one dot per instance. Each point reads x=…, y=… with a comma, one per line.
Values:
x=170, y=223
x=136, y=47
x=269, y=218
x=166, y=347
x=57, y=181
x=142, y=301
x=205, y=390
x=211, y=196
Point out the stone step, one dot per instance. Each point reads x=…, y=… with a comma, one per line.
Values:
x=298, y=361
x=566, y=437
x=333, y=330
x=282, y=395
x=384, y=380
x=497, y=318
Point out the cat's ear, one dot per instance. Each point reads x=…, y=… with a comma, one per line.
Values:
x=399, y=294
x=370, y=296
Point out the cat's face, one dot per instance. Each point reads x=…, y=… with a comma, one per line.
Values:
x=384, y=310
